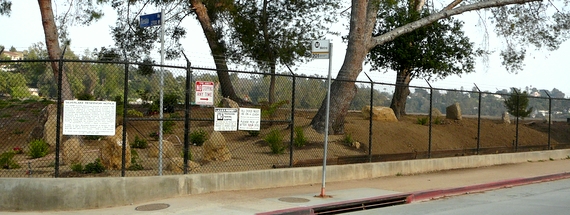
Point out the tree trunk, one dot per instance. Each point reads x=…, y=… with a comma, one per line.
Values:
x=52, y=45
x=343, y=90
x=271, y=99
x=401, y=93
x=218, y=52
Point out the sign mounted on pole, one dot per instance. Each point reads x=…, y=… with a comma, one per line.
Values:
x=204, y=93
x=320, y=49
x=150, y=20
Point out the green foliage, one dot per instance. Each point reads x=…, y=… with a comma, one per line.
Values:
x=17, y=132
x=189, y=154
x=275, y=141
x=517, y=103
x=135, y=165
x=422, y=120
x=95, y=167
x=153, y=135
x=139, y=143
x=198, y=137
x=253, y=133
x=439, y=121
x=85, y=96
x=134, y=113
x=269, y=109
x=7, y=160
x=300, y=139
x=14, y=84
x=77, y=167
x=38, y=148
x=347, y=139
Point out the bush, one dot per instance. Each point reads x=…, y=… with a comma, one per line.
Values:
x=275, y=142
x=139, y=143
x=77, y=167
x=38, y=148
x=300, y=139
x=134, y=113
x=423, y=121
x=253, y=133
x=517, y=103
x=439, y=121
x=347, y=139
x=7, y=160
x=198, y=137
x=135, y=166
x=95, y=167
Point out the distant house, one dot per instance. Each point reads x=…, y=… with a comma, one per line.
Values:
x=13, y=55
x=535, y=94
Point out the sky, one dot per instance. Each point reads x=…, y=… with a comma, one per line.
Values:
x=543, y=69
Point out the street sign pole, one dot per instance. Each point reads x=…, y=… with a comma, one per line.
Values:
x=161, y=91
x=322, y=49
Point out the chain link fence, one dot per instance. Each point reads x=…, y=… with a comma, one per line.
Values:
x=437, y=123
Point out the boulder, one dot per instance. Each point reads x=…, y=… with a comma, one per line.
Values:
x=112, y=150
x=168, y=150
x=506, y=118
x=385, y=114
x=177, y=165
x=228, y=103
x=436, y=113
x=49, y=128
x=72, y=151
x=215, y=148
x=453, y=112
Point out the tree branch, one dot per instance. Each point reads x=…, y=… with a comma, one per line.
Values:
x=387, y=37
x=452, y=5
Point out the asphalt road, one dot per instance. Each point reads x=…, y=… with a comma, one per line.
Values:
x=542, y=198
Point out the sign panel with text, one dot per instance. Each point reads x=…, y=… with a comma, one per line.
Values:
x=89, y=117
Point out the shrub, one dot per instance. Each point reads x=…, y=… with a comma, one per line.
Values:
x=517, y=103
x=253, y=133
x=7, y=160
x=300, y=139
x=347, y=139
x=134, y=113
x=135, y=166
x=275, y=142
x=423, y=120
x=139, y=143
x=85, y=96
x=77, y=167
x=153, y=135
x=198, y=137
x=269, y=109
x=38, y=148
x=438, y=121
x=95, y=167
x=189, y=154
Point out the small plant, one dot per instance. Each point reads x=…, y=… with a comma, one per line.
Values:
x=38, y=148
x=438, y=121
x=77, y=167
x=275, y=142
x=300, y=139
x=551, y=159
x=189, y=154
x=5, y=115
x=7, y=160
x=134, y=113
x=93, y=137
x=422, y=120
x=17, y=132
x=347, y=139
x=135, y=166
x=269, y=109
x=22, y=120
x=253, y=133
x=95, y=167
x=139, y=143
x=18, y=150
x=153, y=135
x=399, y=174
x=198, y=137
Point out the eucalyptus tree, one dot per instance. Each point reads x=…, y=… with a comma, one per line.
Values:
x=278, y=31
x=522, y=23
x=433, y=51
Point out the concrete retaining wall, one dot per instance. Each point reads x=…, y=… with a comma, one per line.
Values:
x=43, y=194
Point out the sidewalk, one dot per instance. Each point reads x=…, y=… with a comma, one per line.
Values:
x=268, y=200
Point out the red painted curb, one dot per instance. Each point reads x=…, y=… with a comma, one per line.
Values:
x=433, y=194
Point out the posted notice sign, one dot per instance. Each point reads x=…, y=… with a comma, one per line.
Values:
x=320, y=49
x=204, y=93
x=89, y=117
x=225, y=119
x=249, y=119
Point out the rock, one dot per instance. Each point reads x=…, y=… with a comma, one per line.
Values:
x=228, y=103
x=111, y=151
x=38, y=131
x=177, y=165
x=385, y=114
x=72, y=151
x=49, y=127
x=355, y=144
x=453, y=112
x=436, y=113
x=168, y=150
x=506, y=118
x=215, y=148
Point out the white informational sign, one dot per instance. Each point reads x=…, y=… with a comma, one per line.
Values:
x=89, y=117
x=204, y=93
x=225, y=119
x=249, y=119
x=320, y=49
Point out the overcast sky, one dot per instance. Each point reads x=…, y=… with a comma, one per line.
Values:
x=543, y=70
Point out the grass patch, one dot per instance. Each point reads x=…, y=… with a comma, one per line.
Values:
x=275, y=142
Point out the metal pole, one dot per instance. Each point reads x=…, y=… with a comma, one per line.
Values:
x=478, y=120
x=124, y=140
x=58, y=114
x=292, y=124
x=430, y=117
x=160, y=134
x=187, y=109
x=370, y=120
x=517, y=126
x=327, y=121
x=549, y=116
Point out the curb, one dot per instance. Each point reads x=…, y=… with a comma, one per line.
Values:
x=416, y=196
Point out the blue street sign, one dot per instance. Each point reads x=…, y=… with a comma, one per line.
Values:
x=150, y=20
